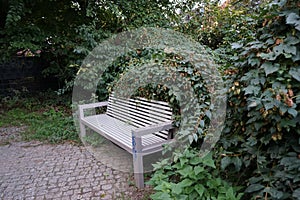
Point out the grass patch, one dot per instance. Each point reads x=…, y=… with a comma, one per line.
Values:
x=14, y=117
x=47, y=116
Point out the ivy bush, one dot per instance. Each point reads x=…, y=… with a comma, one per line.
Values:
x=261, y=142
x=259, y=149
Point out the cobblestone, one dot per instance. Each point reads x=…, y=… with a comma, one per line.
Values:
x=32, y=170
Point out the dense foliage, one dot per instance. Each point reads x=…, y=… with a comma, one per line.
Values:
x=256, y=43
x=260, y=145
x=63, y=36
x=262, y=137
x=190, y=177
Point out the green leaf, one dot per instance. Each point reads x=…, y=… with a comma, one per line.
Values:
x=214, y=183
x=186, y=183
x=252, y=104
x=255, y=179
x=269, y=105
x=225, y=162
x=195, y=160
x=253, y=188
x=296, y=194
x=160, y=195
x=176, y=188
x=290, y=40
x=237, y=163
x=202, y=123
x=160, y=187
x=274, y=193
x=200, y=189
x=230, y=193
x=256, y=45
x=268, y=56
x=278, y=49
x=288, y=123
x=293, y=19
x=251, y=89
x=181, y=196
x=270, y=68
x=198, y=170
x=293, y=112
x=283, y=108
x=236, y=45
x=186, y=171
x=295, y=73
x=208, y=114
x=183, y=160
x=191, y=139
x=253, y=61
x=290, y=49
x=208, y=161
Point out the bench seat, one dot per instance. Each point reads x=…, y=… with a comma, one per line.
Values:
x=121, y=133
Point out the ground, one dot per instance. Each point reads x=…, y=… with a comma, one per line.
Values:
x=36, y=170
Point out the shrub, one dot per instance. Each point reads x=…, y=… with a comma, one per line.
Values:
x=261, y=141
x=190, y=177
x=260, y=146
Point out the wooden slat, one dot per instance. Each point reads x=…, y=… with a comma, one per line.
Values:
x=151, y=103
x=119, y=114
x=135, y=115
x=143, y=104
x=139, y=110
x=142, y=123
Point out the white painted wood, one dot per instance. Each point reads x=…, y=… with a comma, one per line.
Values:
x=118, y=131
x=138, y=125
x=152, y=129
x=93, y=105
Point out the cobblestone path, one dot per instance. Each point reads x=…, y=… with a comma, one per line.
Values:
x=31, y=170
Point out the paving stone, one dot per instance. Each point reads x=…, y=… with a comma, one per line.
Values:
x=40, y=197
x=31, y=170
x=106, y=187
x=68, y=193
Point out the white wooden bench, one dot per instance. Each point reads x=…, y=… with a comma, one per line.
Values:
x=138, y=125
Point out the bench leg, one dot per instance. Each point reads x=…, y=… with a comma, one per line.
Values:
x=82, y=130
x=138, y=170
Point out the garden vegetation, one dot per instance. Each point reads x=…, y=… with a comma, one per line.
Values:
x=255, y=43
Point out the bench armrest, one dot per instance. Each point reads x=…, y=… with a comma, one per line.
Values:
x=90, y=105
x=93, y=105
x=139, y=132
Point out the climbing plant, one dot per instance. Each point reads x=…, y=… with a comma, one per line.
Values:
x=260, y=145
x=136, y=60
x=261, y=142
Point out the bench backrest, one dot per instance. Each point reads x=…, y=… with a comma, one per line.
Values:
x=139, y=112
